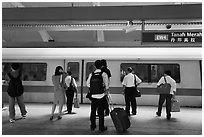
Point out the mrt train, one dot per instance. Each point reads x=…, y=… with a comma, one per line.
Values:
x=38, y=66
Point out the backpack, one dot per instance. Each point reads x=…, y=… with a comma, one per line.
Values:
x=96, y=83
x=15, y=87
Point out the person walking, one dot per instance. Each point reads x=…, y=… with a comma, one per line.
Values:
x=15, y=91
x=59, y=95
x=97, y=82
x=71, y=89
x=162, y=97
x=104, y=68
x=129, y=90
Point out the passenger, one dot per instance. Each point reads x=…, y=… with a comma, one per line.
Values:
x=15, y=91
x=105, y=69
x=71, y=89
x=129, y=90
x=59, y=95
x=96, y=82
x=167, y=97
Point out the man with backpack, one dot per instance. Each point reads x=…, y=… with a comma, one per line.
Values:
x=98, y=85
x=15, y=91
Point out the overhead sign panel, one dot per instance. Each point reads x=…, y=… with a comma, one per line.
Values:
x=172, y=37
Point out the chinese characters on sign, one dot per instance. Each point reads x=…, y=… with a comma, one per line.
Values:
x=173, y=37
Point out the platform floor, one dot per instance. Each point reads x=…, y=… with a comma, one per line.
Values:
x=186, y=122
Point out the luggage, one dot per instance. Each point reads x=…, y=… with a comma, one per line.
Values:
x=175, y=105
x=76, y=103
x=120, y=119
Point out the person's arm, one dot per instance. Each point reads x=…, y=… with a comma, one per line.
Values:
x=138, y=80
x=124, y=84
x=88, y=81
x=75, y=85
x=105, y=80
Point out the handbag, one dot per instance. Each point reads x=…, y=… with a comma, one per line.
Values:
x=175, y=105
x=137, y=92
x=76, y=103
x=71, y=87
x=164, y=88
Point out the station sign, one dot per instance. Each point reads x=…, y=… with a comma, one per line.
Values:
x=172, y=37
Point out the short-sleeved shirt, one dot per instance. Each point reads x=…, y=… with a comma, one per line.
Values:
x=129, y=80
x=68, y=80
x=169, y=80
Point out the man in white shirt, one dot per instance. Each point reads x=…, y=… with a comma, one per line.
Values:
x=129, y=89
x=98, y=96
x=167, y=97
x=70, y=81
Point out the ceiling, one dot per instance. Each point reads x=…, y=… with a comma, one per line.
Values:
x=119, y=31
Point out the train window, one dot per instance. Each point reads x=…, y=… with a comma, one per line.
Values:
x=30, y=71
x=74, y=68
x=90, y=67
x=151, y=72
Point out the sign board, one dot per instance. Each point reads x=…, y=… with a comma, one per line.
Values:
x=172, y=37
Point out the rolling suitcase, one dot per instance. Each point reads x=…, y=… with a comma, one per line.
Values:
x=120, y=118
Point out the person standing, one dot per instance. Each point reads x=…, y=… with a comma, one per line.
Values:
x=104, y=68
x=162, y=97
x=15, y=91
x=97, y=82
x=59, y=97
x=129, y=90
x=71, y=89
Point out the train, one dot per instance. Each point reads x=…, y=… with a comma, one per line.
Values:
x=38, y=66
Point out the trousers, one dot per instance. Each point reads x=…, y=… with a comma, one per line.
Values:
x=12, y=106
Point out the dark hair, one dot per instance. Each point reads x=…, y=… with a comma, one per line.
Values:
x=129, y=69
x=57, y=70
x=15, y=66
x=69, y=72
x=103, y=62
x=167, y=72
x=98, y=64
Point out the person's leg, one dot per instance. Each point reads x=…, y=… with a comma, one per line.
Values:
x=67, y=97
x=21, y=106
x=11, y=109
x=134, y=105
x=161, y=101
x=101, y=108
x=53, y=110
x=127, y=101
x=70, y=101
x=60, y=111
x=168, y=106
x=107, y=111
x=94, y=106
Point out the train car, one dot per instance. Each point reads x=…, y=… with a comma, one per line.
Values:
x=38, y=66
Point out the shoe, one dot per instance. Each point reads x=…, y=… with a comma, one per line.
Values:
x=11, y=120
x=133, y=113
x=23, y=117
x=51, y=118
x=157, y=113
x=103, y=129
x=168, y=118
x=59, y=117
x=92, y=128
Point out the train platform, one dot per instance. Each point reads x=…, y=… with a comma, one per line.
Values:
x=186, y=122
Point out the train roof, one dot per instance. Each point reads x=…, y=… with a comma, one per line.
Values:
x=106, y=53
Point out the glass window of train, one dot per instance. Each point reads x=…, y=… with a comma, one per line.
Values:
x=151, y=72
x=90, y=67
x=30, y=71
x=74, y=68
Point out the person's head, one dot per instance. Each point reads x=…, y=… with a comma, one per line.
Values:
x=167, y=72
x=69, y=72
x=129, y=70
x=15, y=66
x=103, y=63
x=58, y=70
x=98, y=64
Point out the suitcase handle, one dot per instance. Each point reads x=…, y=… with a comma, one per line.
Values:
x=110, y=102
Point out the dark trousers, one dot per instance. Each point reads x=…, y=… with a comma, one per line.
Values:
x=130, y=98
x=70, y=96
x=97, y=104
x=162, y=98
